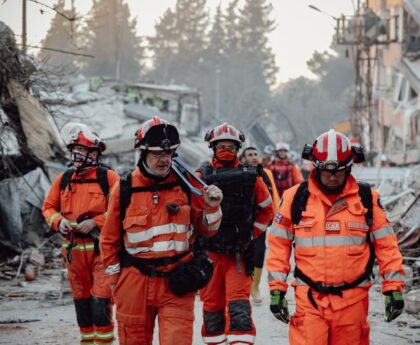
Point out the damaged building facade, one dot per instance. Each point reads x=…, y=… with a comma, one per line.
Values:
x=396, y=80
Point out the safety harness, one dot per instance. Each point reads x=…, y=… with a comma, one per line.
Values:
x=145, y=266
x=298, y=206
x=102, y=180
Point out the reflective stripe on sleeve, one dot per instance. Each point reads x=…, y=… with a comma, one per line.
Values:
x=266, y=202
x=277, y=276
x=260, y=226
x=213, y=217
x=381, y=233
x=53, y=216
x=394, y=276
x=279, y=232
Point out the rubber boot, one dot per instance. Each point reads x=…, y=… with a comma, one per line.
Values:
x=255, y=291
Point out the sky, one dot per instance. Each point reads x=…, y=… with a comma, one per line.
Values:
x=299, y=31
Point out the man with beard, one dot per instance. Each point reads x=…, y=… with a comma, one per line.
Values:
x=250, y=157
x=337, y=227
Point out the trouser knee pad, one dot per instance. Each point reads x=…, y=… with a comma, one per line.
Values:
x=240, y=315
x=83, y=312
x=214, y=322
x=101, y=311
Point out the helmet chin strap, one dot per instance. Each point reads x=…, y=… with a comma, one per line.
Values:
x=328, y=190
x=86, y=164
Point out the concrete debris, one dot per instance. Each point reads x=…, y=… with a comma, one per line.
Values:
x=412, y=301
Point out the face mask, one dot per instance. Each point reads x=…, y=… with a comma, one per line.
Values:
x=225, y=155
x=80, y=157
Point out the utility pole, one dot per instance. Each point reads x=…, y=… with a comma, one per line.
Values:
x=217, y=93
x=24, y=43
x=116, y=41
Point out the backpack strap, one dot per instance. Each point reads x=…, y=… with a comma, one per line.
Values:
x=125, y=195
x=66, y=179
x=102, y=175
x=101, y=179
x=365, y=194
x=299, y=202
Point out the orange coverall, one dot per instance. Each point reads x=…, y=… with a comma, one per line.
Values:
x=150, y=232
x=85, y=272
x=275, y=195
x=286, y=174
x=331, y=248
x=226, y=306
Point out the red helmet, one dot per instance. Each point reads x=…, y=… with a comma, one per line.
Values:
x=224, y=132
x=80, y=134
x=332, y=150
x=157, y=134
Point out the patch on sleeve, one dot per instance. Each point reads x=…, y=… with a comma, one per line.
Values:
x=278, y=217
x=281, y=220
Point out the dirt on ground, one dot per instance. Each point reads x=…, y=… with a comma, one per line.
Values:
x=38, y=314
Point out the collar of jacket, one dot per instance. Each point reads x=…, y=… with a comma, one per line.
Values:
x=217, y=164
x=138, y=179
x=350, y=187
x=89, y=173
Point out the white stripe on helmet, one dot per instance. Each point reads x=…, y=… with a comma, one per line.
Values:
x=332, y=145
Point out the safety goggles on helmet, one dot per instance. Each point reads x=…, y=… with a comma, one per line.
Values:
x=162, y=153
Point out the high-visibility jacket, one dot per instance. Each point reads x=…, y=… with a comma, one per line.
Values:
x=286, y=174
x=331, y=244
x=263, y=201
x=77, y=199
x=274, y=193
x=150, y=231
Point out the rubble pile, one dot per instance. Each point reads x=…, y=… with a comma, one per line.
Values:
x=400, y=197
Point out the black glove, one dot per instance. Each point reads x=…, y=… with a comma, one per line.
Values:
x=278, y=305
x=394, y=305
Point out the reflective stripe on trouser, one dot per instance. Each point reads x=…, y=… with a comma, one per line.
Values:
x=226, y=307
x=325, y=326
x=104, y=335
x=87, y=335
x=139, y=299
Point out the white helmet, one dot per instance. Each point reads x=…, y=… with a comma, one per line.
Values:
x=282, y=146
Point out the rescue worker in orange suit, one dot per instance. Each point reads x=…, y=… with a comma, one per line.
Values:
x=247, y=211
x=76, y=207
x=146, y=242
x=337, y=227
x=250, y=157
x=286, y=173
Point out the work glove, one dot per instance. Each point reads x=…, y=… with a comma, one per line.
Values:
x=394, y=305
x=278, y=305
